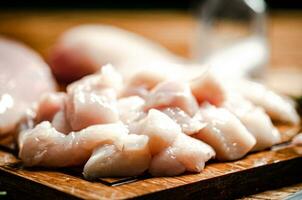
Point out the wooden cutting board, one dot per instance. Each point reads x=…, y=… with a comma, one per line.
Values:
x=256, y=172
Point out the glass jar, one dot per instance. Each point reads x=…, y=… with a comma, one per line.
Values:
x=231, y=37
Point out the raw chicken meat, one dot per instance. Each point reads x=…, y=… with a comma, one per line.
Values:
x=173, y=151
x=172, y=94
x=135, y=91
x=84, y=109
x=44, y=146
x=189, y=125
x=297, y=140
x=84, y=49
x=24, y=77
x=49, y=105
x=130, y=109
x=207, y=88
x=166, y=164
x=142, y=82
x=225, y=133
x=147, y=78
x=255, y=119
x=192, y=153
x=160, y=129
x=139, y=81
x=157, y=142
x=109, y=161
x=107, y=77
x=60, y=123
x=93, y=99
x=186, y=153
x=278, y=108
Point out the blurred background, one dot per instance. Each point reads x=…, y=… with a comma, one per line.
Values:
x=191, y=29
x=131, y=4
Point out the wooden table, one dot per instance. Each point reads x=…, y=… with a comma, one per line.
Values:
x=173, y=29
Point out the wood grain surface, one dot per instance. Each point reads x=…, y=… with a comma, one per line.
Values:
x=175, y=30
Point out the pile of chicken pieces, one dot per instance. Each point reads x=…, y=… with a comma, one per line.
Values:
x=119, y=126
x=172, y=127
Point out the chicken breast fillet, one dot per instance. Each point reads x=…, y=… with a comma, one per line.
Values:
x=21, y=70
x=84, y=49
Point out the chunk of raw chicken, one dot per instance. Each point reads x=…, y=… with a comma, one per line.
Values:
x=225, y=133
x=60, y=123
x=255, y=119
x=189, y=125
x=166, y=164
x=278, y=108
x=84, y=109
x=109, y=161
x=49, y=105
x=207, y=88
x=93, y=100
x=24, y=77
x=186, y=153
x=172, y=94
x=83, y=49
x=160, y=129
x=130, y=109
x=44, y=146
